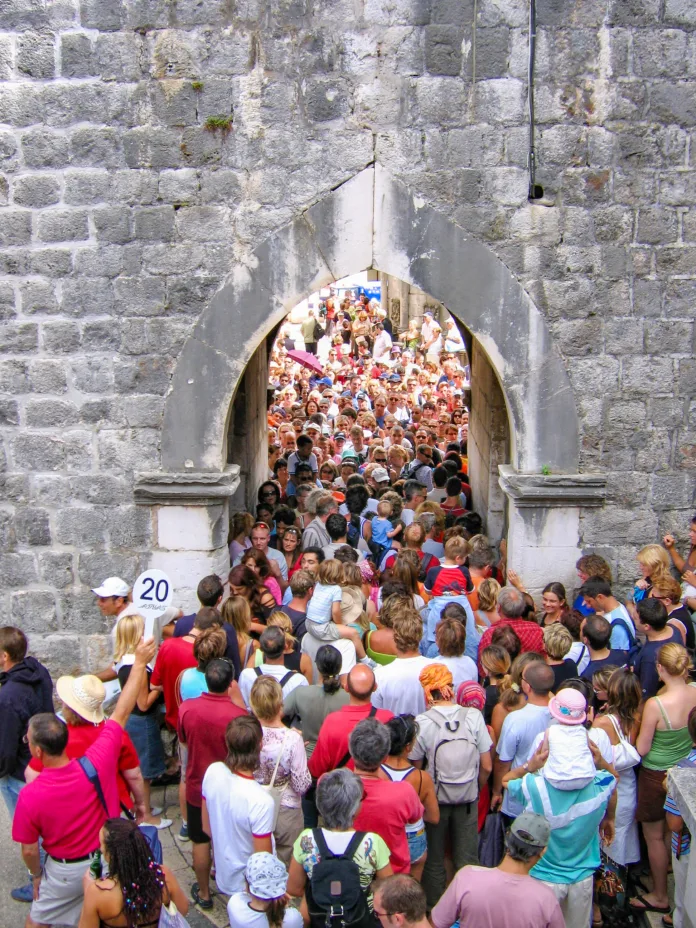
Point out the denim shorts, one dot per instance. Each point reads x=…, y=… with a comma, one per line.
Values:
x=145, y=735
x=417, y=841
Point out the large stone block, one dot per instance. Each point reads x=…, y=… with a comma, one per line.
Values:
x=56, y=569
x=36, y=55
x=34, y=611
x=17, y=570
x=80, y=527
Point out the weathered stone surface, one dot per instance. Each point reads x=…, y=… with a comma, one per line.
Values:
x=143, y=257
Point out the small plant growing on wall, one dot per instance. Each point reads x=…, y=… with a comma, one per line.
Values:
x=222, y=124
x=197, y=86
x=546, y=470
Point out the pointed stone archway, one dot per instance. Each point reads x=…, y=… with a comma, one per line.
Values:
x=373, y=221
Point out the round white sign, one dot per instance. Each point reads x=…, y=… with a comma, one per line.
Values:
x=152, y=593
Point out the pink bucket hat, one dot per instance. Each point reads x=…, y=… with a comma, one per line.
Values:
x=569, y=707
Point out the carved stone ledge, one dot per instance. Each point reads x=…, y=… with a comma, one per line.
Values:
x=182, y=489
x=549, y=490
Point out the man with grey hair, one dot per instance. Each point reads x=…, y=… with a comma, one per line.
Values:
x=504, y=896
x=513, y=609
x=388, y=807
x=316, y=534
x=429, y=522
x=272, y=644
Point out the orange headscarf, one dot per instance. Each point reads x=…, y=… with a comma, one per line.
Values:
x=437, y=677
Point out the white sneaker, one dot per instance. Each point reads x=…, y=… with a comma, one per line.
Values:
x=163, y=823
x=156, y=810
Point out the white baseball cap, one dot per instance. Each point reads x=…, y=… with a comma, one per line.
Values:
x=112, y=586
x=380, y=475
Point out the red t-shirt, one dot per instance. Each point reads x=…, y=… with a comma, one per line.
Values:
x=174, y=656
x=332, y=743
x=530, y=634
x=203, y=722
x=448, y=578
x=387, y=810
x=81, y=737
x=63, y=808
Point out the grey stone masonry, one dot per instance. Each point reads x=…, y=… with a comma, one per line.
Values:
x=124, y=210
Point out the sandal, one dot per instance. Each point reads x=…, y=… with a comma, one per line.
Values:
x=204, y=904
x=667, y=924
x=646, y=906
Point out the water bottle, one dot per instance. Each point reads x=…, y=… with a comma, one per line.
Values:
x=95, y=868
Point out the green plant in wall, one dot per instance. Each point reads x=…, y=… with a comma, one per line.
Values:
x=546, y=470
x=197, y=86
x=222, y=124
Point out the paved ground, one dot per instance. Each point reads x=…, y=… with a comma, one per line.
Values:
x=177, y=855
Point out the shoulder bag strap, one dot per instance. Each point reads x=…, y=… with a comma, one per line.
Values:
x=373, y=712
x=258, y=671
x=90, y=771
x=280, y=754
x=286, y=677
x=665, y=718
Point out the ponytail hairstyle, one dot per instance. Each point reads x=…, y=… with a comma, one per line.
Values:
x=510, y=695
x=495, y=660
x=284, y=622
x=403, y=730
x=133, y=868
x=329, y=661
x=674, y=659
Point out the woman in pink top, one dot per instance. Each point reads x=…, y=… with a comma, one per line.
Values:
x=257, y=561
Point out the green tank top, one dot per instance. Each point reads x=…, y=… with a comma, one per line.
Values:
x=668, y=746
x=378, y=658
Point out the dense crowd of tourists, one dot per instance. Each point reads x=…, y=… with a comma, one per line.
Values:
x=369, y=717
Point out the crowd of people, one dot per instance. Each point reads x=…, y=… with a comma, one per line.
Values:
x=369, y=718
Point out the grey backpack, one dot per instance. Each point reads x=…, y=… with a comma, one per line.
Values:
x=454, y=759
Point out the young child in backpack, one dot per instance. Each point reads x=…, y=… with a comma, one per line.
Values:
x=324, y=608
x=570, y=764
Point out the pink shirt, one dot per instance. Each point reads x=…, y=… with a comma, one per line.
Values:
x=493, y=899
x=63, y=808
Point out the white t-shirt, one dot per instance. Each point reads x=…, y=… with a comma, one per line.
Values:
x=241, y=915
x=580, y=654
x=238, y=809
x=399, y=687
x=463, y=669
x=248, y=677
x=310, y=646
x=519, y=730
x=323, y=598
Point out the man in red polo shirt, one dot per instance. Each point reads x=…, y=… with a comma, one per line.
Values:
x=331, y=750
x=202, y=725
x=67, y=804
x=176, y=655
x=511, y=607
x=388, y=806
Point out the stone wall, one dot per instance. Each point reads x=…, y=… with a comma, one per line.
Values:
x=489, y=443
x=148, y=147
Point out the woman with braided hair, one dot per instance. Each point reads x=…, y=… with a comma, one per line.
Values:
x=136, y=888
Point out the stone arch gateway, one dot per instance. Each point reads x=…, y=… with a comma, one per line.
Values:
x=371, y=221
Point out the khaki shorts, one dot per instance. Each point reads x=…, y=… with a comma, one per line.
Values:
x=60, y=893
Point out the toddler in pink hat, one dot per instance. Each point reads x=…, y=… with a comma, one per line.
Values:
x=570, y=765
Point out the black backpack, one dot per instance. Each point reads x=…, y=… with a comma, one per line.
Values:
x=335, y=898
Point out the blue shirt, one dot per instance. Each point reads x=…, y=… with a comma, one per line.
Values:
x=620, y=640
x=572, y=854
x=192, y=684
x=380, y=528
